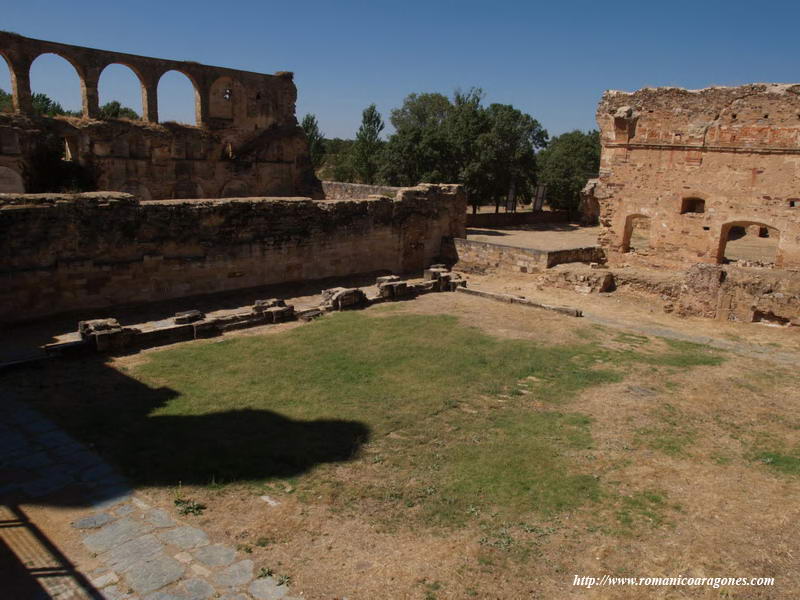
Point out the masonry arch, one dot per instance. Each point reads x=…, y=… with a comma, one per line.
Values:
x=58, y=79
x=7, y=85
x=178, y=98
x=120, y=83
x=11, y=181
x=235, y=189
x=749, y=241
x=637, y=232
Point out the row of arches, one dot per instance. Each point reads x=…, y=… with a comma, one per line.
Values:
x=739, y=241
x=175, y=94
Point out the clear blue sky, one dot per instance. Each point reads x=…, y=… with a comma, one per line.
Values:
x=551, y=59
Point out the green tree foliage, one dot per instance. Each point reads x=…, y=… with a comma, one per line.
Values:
x=507, y=153
x=316, y=140
x=6, y=101
x=115, y=110
x=366, y=152
x=46, y=106
x=566, y=164
x=492, y=151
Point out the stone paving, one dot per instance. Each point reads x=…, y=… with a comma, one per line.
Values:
x=147, y=553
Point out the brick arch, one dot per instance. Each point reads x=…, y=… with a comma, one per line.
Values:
x=198, y=96
x=11, y=181
x=139, y=77
x=11, y=85
x=630, y=222
x=76, y=64
x=724, y=237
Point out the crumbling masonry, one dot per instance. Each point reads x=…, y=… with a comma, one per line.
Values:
x=688, y=175
x=246, y=143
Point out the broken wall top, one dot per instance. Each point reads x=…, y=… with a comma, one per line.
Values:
x=754, y=116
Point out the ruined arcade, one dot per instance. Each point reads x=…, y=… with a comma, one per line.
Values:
x=246, y=142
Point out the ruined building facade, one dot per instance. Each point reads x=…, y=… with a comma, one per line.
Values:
x=707, y=182
x=686, y=167
x=246, y=143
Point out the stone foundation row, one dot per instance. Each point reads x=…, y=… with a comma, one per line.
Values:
x=107, y=335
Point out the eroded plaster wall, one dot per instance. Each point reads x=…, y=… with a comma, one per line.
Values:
x=697, y=163
x=65, y=252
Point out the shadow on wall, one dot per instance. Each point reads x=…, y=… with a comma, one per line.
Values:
x=95, y=402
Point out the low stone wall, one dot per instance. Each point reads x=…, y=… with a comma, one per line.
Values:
x=338, y=190
x=481, y=257
x=67, y=252
x=518, y=218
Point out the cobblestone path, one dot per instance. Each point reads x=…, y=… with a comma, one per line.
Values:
x=147, y=553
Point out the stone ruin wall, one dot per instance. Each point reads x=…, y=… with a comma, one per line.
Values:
x=698, y=163
x=736, y=150
x=246, y=143
x=340, y=190
x=69, y=252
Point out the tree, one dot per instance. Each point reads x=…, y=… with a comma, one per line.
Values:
x=507, y=153
x=115, y=110
x=566, y=164
x=419, y=149
x=316, y=140
x=46, y=106
x=366, y=152
x=6, y=101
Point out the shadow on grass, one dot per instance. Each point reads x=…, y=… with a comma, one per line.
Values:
x=111, y=413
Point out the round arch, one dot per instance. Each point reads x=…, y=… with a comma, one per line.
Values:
x=178, y=98
x=53, y=87
x=748, y=240
x=11, y=181
x=120, y=87
x=636, y=232
x=6, y=84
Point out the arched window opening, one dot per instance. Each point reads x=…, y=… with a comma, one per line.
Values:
x=222, y=97
x=177, y=99
x=55, y=87
x=6, y=89
x=637, y=233
x=749, y=244
x=11, y=182
x=693, y=205
x=120, y=92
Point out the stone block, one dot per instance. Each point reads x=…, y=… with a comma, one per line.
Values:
x=341, y=298
x=206, y=329
x=91, y=327
x=279, y=314
x=386, y=279
x=259, y=306
x=188, y=316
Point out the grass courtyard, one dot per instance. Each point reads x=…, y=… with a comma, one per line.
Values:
x=452, y=448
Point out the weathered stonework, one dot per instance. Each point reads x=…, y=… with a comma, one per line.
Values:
x=246, y=143
x=472, y=256
x=698, y=163
x=66, y=252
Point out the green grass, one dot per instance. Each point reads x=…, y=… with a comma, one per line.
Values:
x=427, y=413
